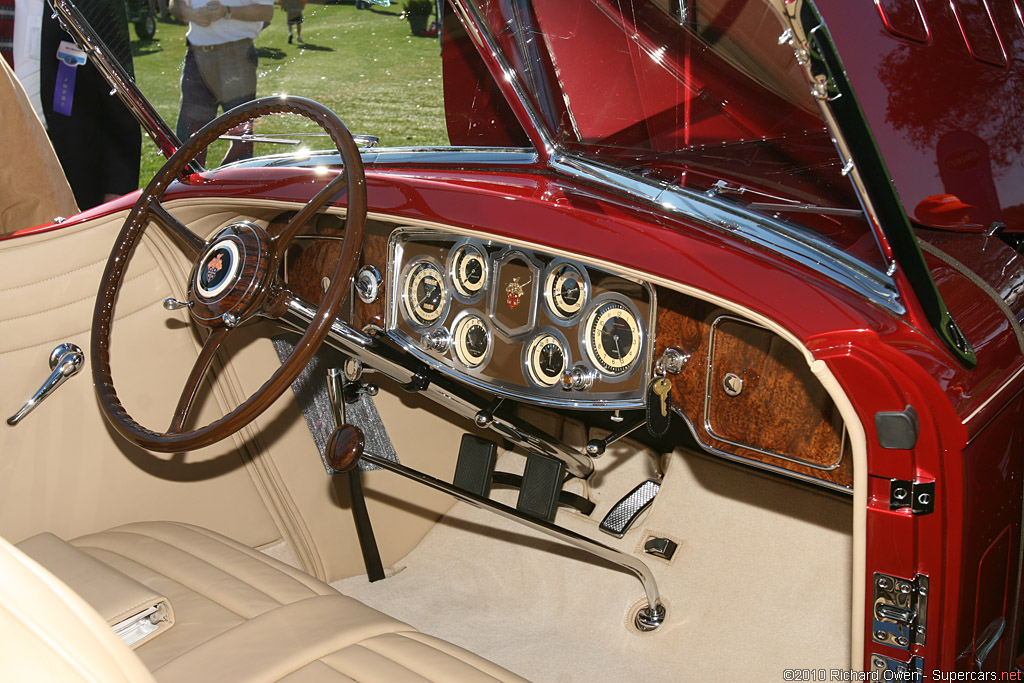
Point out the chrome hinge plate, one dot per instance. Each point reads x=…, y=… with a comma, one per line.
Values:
x=919, y=496
x=899, y=610
x=888, y=669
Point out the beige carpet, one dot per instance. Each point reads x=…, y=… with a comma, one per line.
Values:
x=760, y=583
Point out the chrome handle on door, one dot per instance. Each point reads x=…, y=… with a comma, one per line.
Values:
x=65, y=361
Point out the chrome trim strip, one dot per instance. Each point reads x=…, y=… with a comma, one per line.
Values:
x=616, y=557
x=124, y=86
x=449, y=157
x=747, y=225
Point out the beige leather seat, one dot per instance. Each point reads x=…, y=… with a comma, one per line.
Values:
x=239, y=616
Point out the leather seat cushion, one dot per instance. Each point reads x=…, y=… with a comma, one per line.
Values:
x=243, y=616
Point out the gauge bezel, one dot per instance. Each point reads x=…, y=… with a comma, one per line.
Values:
x=529, y=344
x=549, y=304
x=404, y=304
x=453, y=277
x=456, y=322
x=585, y=339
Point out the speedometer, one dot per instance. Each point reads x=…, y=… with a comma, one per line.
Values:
x=613, y=337
x=424, y=293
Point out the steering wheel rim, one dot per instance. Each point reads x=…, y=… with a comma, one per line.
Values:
x=247, y=288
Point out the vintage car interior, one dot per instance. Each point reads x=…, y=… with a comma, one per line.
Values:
x=510, y=409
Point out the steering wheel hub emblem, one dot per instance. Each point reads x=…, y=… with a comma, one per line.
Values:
x=218, y=269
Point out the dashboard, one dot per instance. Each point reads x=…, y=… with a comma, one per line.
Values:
x=521, y=322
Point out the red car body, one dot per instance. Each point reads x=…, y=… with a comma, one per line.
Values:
x=939, y=86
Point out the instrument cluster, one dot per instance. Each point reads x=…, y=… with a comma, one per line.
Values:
x=521, y=322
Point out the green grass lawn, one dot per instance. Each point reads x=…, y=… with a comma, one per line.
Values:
x=364, y=64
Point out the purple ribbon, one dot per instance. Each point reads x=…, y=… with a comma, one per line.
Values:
x=64, y=92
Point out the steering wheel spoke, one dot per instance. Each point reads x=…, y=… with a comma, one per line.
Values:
x=195, y=378
x=233, y=279
x=190, y=242
x=332, y=190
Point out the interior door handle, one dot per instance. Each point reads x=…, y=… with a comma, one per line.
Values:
x=65, y=361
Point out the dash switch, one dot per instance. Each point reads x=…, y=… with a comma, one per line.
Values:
x=660, y=547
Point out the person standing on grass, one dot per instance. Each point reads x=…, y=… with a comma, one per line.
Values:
x=293, y=10
x=220, y=61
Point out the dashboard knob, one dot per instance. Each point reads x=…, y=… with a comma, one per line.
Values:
x=436, y=340
x=579, y=378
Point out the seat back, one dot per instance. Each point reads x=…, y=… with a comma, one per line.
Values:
x=49, y=633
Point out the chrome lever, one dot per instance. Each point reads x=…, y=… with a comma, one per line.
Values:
x=65, y=361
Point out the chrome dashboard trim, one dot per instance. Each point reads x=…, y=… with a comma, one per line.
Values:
x=527, y=392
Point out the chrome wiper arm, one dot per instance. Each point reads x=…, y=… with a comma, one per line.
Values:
x=722, y=187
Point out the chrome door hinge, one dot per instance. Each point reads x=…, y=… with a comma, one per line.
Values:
x=919, y=496
x=888, y=669
x=899, y=610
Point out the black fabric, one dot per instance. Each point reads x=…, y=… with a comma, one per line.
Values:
x=100, y=144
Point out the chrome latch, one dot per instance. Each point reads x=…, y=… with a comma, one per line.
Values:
x=65, y=361
x=899, y=610
x=888, y=669
x=919, y=496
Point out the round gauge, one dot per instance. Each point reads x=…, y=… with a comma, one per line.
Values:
x=470, y=340
x=424, y=293
x=469, y=271
x=566, y=291
x=546, y=360
x=613, y=338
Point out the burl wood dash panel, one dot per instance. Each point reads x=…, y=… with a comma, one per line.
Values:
x=782, y=416
x=316, y=252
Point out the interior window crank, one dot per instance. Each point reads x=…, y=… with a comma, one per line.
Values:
x=65, y=361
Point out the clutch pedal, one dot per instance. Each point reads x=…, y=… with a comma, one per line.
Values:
x=624, y=513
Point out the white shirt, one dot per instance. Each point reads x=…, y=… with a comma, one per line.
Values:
x=28, y=35
x=225, y=30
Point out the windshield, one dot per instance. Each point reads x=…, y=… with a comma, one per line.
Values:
x=695, y=95
x=698, y=95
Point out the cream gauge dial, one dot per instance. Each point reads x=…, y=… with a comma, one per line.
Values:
x=566, y=291
x=471, y=340
x=546, y=359
x=613, y=338
x=469, y=271
x=424, y=293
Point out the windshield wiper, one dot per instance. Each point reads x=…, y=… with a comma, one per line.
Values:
x=364, y=141
x=722, y=187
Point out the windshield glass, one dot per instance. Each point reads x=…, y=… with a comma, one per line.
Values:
x=699, y=95
x=694, y=95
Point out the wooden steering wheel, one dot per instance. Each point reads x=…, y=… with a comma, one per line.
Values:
x=234, y=279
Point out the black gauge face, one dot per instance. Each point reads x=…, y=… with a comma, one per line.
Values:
x=469, y=271
x=546, y=360
x=424, y=294
x=566, y=291
x=613, y=337
x=471, y=340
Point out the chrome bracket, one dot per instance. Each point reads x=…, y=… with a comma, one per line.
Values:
x=899, y=610
x=888, y=669
x=65, y=361
x=919, y=496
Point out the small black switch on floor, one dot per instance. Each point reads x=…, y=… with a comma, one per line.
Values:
x=660, y=547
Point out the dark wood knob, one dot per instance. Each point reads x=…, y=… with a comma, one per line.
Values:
x=344, y=448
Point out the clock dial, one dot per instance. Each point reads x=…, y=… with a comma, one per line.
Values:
x=613, y=337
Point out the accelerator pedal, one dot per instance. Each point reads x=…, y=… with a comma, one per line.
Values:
x=624, y=513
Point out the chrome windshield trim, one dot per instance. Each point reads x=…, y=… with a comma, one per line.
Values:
x=450, y=157
x=736, y=220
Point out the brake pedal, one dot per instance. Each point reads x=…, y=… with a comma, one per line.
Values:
x=624, y=513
